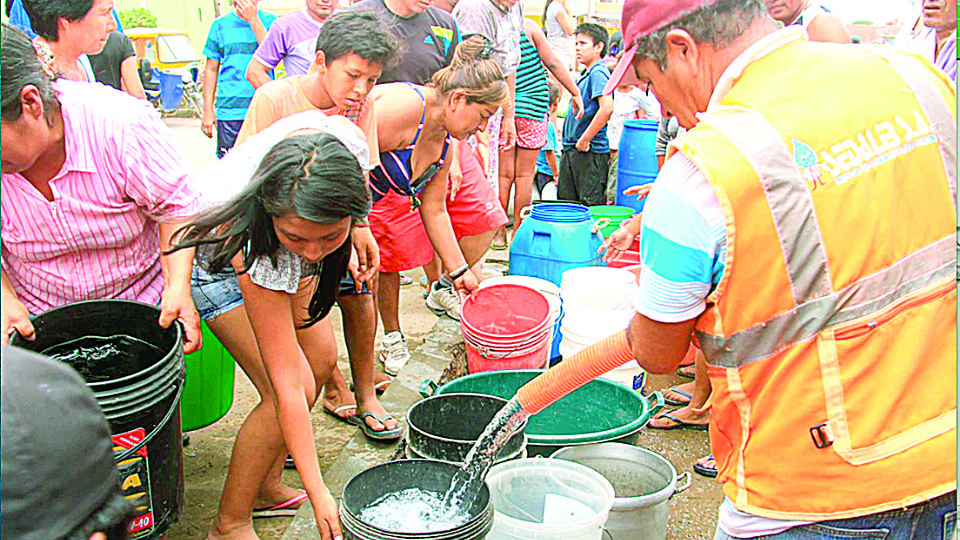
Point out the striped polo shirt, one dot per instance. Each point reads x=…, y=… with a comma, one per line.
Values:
x=231, y=42
x=533, y=96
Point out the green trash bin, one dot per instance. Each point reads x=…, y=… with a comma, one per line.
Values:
x=208, y=391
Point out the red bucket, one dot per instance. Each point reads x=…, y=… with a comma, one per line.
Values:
x=506, y=327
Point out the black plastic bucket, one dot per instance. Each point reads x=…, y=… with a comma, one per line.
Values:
x=395, y=476
x=140, y=398
x=445, y=427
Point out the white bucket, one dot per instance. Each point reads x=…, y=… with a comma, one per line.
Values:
x=597, y=287
x=545, y=499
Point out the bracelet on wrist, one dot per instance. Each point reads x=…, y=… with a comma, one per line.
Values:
x=458, y=273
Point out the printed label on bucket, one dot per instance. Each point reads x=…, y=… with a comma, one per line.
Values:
x=135, y=481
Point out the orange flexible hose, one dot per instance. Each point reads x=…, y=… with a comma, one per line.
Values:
x=571, y=374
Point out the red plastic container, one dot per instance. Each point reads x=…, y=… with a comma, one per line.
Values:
x=506, y=327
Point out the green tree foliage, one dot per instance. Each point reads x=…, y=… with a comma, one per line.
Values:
x=138, y=18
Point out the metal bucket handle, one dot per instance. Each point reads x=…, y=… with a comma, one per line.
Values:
x=175, y=406
x=428, y=388
x=684, y=480
x=484, y=351
x=606, y=533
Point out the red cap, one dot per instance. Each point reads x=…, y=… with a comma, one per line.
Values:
x=640, y=18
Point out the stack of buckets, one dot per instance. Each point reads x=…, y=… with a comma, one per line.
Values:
x=506, y=326
x=596, y=304
x=637, y=160
x=552, y=294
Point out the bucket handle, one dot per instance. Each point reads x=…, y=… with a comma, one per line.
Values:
x=483, y=351
x=658, y=404
x=606, y=533
x=428, y=388
x=127, y=454
x=684, y=480
x=525, y=212
x=599, y=224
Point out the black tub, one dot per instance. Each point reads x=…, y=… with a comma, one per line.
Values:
x=445, y=427
x=140, y=398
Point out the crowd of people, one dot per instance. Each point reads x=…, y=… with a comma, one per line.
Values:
x=358, y=142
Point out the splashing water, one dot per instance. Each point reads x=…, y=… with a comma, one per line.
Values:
x=412, y=510
x=468, y=480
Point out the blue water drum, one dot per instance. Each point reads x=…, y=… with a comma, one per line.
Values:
x=555, y=237
x=171, y=89
x=637, y=160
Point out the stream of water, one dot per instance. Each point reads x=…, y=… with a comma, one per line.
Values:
x=468, y=481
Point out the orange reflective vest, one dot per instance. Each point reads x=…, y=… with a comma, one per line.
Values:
x=831, y=337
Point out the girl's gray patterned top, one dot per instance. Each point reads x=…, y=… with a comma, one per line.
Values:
x=285, y=276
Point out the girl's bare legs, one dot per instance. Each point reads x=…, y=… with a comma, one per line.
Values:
x=254, y=476
x=525, y=166
x=507, y=173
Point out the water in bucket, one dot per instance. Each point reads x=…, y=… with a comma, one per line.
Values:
x=413, y=510
x=99, y=358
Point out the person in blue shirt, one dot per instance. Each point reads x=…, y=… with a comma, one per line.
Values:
x=231, y=42
x=586, y=150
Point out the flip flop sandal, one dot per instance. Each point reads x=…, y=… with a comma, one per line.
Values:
x=352, y=419
x=284, y=509
x=675, y=402
x=687, y=372
x=405, y=280
x=383, y=434
x=702, y=470
x=499, y=246
x=677, y=424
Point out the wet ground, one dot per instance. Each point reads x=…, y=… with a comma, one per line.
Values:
x=693, y=512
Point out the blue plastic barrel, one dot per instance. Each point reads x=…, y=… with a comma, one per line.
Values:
x=552, y=239
x=637, y=160
x=171, y=90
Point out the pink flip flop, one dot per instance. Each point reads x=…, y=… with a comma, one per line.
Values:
x=285, y=509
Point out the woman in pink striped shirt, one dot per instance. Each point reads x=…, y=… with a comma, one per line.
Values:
x=92, y=190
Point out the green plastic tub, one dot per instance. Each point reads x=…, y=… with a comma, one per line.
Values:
x=616, y=214
x=208, y=392
x=599, y=411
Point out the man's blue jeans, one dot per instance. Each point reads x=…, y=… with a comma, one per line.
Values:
x=935, y=519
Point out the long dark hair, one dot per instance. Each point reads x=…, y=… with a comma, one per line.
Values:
x=543, y=20
x=311, y=176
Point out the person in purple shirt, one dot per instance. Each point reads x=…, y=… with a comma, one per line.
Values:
x=292, y=39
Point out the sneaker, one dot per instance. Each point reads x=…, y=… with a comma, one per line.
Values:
x=394, y=352
x=444, y=300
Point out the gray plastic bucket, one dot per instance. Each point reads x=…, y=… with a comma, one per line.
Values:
x=643, y=482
